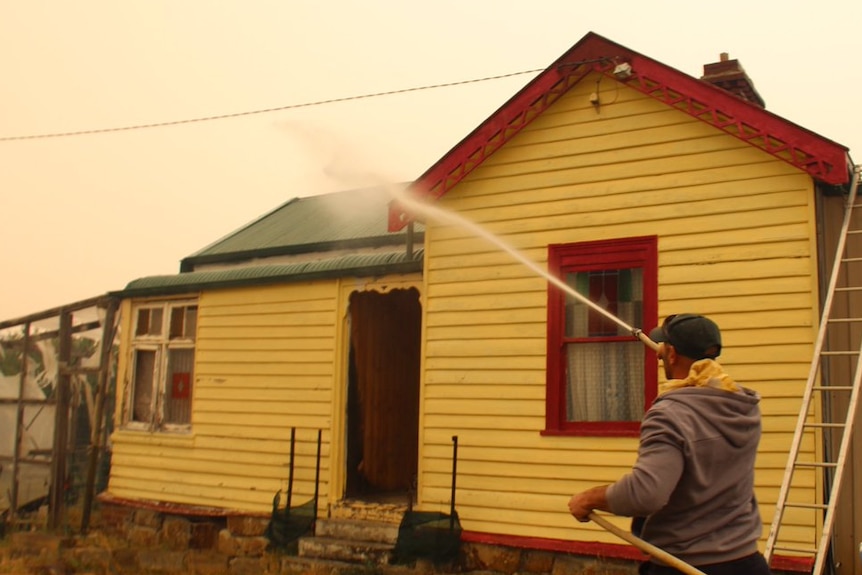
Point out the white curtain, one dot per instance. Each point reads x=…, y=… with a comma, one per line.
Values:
x=605, y=380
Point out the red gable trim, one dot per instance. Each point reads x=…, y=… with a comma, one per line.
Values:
x=824, y=159
x=522, y=109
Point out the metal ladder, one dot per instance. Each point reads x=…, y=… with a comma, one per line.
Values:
x=834, y=379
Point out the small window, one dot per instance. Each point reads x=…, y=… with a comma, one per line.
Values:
x=183, y=322
x=163, y=367
x=600, y=379
x=149, y=322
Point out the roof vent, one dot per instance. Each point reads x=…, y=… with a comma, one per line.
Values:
x=729, y=75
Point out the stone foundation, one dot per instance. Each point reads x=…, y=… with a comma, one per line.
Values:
x=37, y=553
x=150, y=529
x=131, y=541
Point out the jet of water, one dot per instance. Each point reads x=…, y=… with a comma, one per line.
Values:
x=415, y=206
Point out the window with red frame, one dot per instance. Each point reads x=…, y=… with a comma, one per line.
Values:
x=600, y=378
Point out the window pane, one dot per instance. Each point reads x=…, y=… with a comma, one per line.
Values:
x=149, y=321
x=604, y=381
x=177, y=322
x=620, y=292
x=143, y=325
x=183, y=322
x=191, y=321
x=156, y=321
x=178, y=394
x=142, y=393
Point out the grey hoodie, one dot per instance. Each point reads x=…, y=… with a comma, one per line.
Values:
x=694, y=475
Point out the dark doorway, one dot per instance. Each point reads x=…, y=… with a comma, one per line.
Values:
x=383, y=393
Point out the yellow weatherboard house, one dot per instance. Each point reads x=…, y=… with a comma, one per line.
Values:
x=415, y=347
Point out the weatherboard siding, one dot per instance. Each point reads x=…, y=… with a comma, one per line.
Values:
x=264, y=363
x=736, y=241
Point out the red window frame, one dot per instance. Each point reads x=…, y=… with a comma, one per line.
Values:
x=636, y=252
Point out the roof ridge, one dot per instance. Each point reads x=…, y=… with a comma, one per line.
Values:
x=240, y=229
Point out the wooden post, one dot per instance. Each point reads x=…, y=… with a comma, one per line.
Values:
x=96, y=437
x=19, y=426
x=56, y=498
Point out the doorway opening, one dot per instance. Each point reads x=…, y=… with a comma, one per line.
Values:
x=383, y=394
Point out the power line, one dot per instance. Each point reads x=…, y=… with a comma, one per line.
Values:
x=254, y=112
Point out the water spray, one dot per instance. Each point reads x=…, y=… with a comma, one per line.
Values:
x=434, y=212
x=453, y=218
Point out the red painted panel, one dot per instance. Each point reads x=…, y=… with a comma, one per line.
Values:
x=181, y=386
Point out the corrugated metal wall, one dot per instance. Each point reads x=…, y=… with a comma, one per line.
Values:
x=736, y=242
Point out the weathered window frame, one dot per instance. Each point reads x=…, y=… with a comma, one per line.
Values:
x=163, y=341
x=605, y=255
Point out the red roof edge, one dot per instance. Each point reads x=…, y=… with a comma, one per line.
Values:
x=823, y=159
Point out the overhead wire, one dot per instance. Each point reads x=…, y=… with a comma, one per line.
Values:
x=255, y=112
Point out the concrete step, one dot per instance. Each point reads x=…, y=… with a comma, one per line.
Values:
x=364, y=552
x=369, y=511
x=357, y=530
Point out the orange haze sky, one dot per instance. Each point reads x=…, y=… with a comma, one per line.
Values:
x=84, y=215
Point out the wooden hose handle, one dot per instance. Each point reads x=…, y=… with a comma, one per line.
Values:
x=647, y=548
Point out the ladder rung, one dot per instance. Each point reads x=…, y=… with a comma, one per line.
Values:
x=851, y=260
x=826, y=425
x=816, y=464
x=844, y=319
x=851, y=288
x=832, y=388
x=841, y=352
x=806, y=505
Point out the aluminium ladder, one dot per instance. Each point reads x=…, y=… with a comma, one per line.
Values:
x=833, y=381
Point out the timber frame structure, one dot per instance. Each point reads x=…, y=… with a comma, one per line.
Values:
x=96, y=315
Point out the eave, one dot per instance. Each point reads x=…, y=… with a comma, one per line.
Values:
x=350, y=265
x=191, y=263
x=825, y=160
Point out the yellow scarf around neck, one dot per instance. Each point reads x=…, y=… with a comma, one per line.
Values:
x=703, y=373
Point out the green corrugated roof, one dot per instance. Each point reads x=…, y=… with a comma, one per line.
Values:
x=311, y=224
x=367, y=264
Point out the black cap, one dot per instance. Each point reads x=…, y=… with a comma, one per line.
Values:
x=692, y=335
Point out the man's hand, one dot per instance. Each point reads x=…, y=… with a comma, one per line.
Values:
x=580, y=507
x=582, y=504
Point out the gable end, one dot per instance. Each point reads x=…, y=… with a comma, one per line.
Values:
x=824, y=160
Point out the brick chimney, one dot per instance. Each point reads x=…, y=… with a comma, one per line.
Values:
x=729, y=75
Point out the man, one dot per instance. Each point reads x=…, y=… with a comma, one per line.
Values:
x=693, y=481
